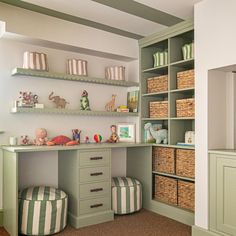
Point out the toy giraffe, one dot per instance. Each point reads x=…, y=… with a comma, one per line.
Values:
x=110, y=106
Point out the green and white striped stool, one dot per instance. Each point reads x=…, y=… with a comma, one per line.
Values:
x=126, y=195
x=42, y=211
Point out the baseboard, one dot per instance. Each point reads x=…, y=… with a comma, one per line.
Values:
x=1, y=217
x=198, y=231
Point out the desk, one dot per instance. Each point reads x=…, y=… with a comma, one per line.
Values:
x=139, y=165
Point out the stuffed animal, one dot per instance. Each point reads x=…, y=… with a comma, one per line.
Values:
x=41, y=137
x=84, y=101
x=62, y=140
x=160, y=135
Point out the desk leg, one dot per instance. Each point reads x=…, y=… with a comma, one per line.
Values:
x=10, y=192
x=139, y=165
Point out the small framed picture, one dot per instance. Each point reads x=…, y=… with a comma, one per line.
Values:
x=126, y=132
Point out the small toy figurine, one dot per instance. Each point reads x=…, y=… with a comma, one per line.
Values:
x=84, y=101
x=41, y=137
x=76, y=135
x=25, y=140
x=60, y=102
x=97, y=138
x=114, y=138
x=62, y=140
x=86, y=140
x=110, y=106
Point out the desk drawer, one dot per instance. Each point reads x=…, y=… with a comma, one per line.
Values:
x=93, y=158
x=94, y=205
x=94, y=189
x=94, y=174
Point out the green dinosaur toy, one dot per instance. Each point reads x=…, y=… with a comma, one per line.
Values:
x=84, y=101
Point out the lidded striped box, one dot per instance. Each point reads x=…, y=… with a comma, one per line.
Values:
x=42, y=210
x=77, y=67
x=115, y=72
x=35, y=61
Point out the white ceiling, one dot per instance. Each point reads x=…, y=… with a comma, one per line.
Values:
x=94, y=11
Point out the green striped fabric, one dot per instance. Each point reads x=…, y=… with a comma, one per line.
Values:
x=42, y=210
x=126, y=195
x=188, y=51
x=160, y=58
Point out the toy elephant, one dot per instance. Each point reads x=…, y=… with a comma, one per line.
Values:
x=159, y=135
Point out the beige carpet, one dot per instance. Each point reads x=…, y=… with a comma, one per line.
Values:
x=144, y=223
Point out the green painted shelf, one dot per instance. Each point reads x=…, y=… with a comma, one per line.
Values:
x=165, y=93
x=182, y=90
x=173, y=176
x=154, y=119
x=174, y=146
x=71, y=112
x=182, y=118
x=184, y=63
x=61, y=76
x=156, y=69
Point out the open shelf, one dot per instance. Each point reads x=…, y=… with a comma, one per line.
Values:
x=182, y=90
x=174, y=146
x=147, y=119
x=71, y=112
x=159, y=69
x=155, y=94
x=77, y=78
x=182, y=118
x=173, y=176
x=184, y=63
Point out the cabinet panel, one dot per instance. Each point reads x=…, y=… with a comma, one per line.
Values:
x=94, y=205
x=94, y=174
x=94, y=189
x=223, y=193
x=93, y=158
x=226, y=195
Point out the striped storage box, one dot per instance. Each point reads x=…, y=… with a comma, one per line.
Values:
x=126, y=195
x=188, y=51
x=77, y=67
x=42, y=211
x=160, y=58
x=115, y=72
x=35, y=61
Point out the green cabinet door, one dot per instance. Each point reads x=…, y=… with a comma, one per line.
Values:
x=223, y=193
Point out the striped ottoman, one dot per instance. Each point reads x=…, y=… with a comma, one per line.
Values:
x=126, y=195
x=42, y=211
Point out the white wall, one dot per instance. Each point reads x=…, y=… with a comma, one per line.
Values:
x=215, y=47
x=20, y=124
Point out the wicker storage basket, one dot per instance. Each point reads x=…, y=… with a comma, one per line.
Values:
x=166, y=189
x=185, y=107
x=185, y=79
x=186, y=191
x=163, y=160
x=185, y=163
x=158, y=109
x=157, y=84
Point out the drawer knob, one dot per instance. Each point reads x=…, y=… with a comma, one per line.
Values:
x=96, y=158
x=96, y=190
x=96, y=174
x=96, y=205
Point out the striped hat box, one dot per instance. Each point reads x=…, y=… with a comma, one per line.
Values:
x=42, y=210
x=115, y=72
x=35, y=61
x=126, y=195
x=77, y=67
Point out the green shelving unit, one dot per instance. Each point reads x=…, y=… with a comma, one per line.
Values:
x=172, y=40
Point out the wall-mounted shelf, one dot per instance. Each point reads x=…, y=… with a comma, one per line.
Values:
x=77, y=78
x=1, y=132
x=71, y=112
